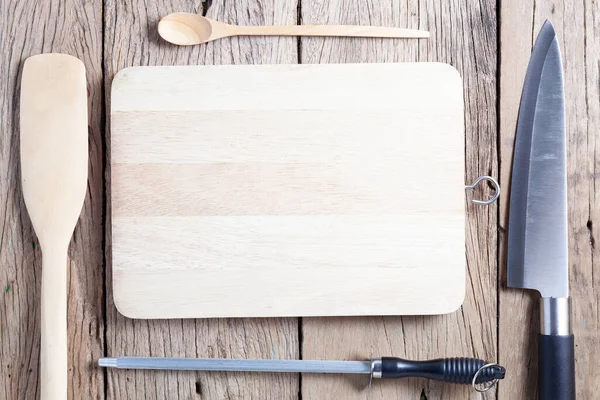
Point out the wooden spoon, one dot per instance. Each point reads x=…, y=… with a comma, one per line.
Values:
x=188, y=29
x=54, y=166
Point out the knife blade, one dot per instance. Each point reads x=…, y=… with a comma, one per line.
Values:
x=538, y=226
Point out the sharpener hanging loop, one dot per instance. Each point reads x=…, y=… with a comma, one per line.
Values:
x=486, y=386
x=496, y=190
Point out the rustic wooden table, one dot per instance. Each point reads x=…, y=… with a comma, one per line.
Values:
x=488, y=41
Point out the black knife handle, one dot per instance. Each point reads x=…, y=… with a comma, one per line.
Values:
x=454, y=370
x=556, y=367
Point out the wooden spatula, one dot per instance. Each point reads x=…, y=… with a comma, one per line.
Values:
x=54, y=166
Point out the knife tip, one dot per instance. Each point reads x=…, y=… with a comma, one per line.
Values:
x=548, y=26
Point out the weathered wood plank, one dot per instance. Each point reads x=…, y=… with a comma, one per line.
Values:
x=464, y=35
x=132, y=39
x=578, y=28
x=27, y=28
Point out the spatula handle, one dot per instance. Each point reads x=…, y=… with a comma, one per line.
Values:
x=54, y=325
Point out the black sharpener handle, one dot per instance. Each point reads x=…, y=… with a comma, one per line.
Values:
x=453, y=370
x=556, y=367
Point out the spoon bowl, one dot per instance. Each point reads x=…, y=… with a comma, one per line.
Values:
x=187, y=29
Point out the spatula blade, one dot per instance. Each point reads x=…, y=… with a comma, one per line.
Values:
x=54, y=143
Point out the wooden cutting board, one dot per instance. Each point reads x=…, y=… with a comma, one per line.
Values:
x=288, y=190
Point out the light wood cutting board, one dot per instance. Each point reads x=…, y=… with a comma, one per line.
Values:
x=288, y=190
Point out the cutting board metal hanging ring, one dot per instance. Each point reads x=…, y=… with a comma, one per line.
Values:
x=288, y=190
x=494, y=184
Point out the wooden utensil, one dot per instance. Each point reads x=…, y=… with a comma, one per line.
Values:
x=54, y=166
x=188, y=29
x=288, y=190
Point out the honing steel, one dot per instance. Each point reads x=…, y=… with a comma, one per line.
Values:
x=453, y=370
x=538, y=228
x=188, y=29
x=54, y=166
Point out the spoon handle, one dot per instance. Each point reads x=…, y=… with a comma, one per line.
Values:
x=54, y=324
x=330, y=30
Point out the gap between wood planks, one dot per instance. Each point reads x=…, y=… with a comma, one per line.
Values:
x=104, y=125
x=300, y=324
x=498, y=149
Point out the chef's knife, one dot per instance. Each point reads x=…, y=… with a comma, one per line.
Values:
x=537, y=232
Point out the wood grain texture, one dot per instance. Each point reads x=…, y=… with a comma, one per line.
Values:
x=519, y=313
x=464, y=35
x=295, y=190
x=132, y=39
x=28, y=28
